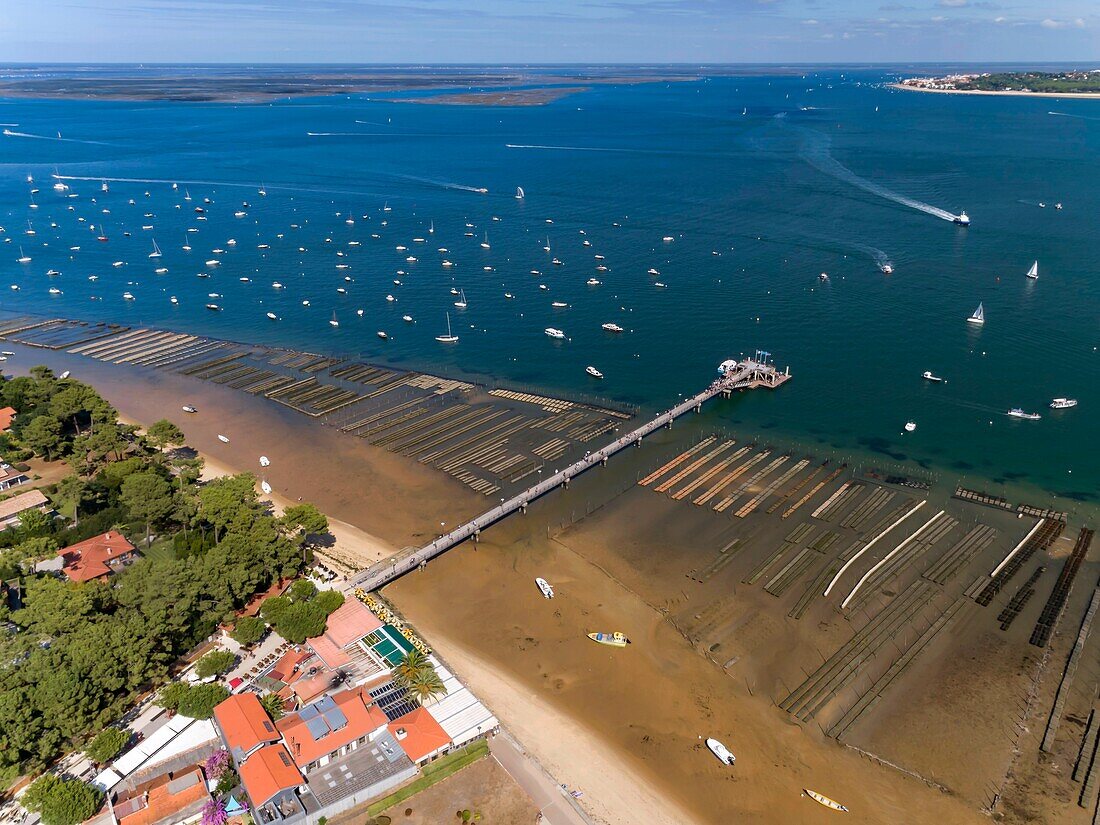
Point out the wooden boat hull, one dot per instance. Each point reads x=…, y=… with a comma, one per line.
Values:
x=821, y=799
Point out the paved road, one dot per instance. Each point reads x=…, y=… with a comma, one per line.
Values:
x=555, y=804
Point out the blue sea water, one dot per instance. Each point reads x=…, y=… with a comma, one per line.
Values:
x=764, y=181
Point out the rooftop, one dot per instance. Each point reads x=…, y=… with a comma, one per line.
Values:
x=169, y=798
x=419, y=735
x=267, y=772
x=92, y=558
x=348, y=624
x=244, y=724
x=7, y=415
x=24, y=501
x=330, y=723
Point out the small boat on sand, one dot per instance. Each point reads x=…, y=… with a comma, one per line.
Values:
x=615, y=639
x=544, y=587
x=224, y=439
x=721, y=751
x=265, y=487
x=187, y=408
x=821, y=799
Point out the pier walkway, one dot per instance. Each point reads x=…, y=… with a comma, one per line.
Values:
x=734, y=375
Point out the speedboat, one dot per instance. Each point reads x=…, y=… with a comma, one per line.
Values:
x=653, y=271
x=610, y=327
x=595, y=373
x=223, y=438
x=544, y=587
x=910, y=426
x=265, y=487
x=1016, y=412
x=187, y=408
x=928, y=376
x=615, y=639
x=265, y=461
x=592, y=282
x=273, y=316
x=382, y=335
x=1058, y=205
x=127, y=296
x=887, y=268
x=721, y=751
x=559, y=304
x=821, y=799
x=214, y=307
x=962, y=219
x=1063, y=403
x=554, y=333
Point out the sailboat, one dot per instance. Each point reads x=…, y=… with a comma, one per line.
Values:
x=1033, y=273
x=461, y=303
x=23, y=259
x=156, y=250
x=519, y=193
x=334, y=322
x=485, y=243
x=448, y=338
x=978, y=316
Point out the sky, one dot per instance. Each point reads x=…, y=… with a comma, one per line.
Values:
x=544, y=31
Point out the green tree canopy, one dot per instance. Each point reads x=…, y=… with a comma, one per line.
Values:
x=43, y=435
x=107, y=744
x=148, y=497
x=306, y=518
x=62, y=801
x=215, y=662
x=302, y=590
x=273, y=705
x=248, y=630
x=162, y=433
x=196, y=701
x=329, y=600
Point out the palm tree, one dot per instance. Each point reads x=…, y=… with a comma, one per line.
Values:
x=409, y=668
x=427, y=686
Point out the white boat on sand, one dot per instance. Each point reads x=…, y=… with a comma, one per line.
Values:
x=721, y=751
x=544, y=587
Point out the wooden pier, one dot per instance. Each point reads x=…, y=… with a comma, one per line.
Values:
x=733, y=375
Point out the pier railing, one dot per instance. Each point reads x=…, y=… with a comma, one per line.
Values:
x=746, y=374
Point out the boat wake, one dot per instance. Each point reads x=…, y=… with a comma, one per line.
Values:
x=442, y=183
x=10, y=133
x=815, y=151
x=1067, y=114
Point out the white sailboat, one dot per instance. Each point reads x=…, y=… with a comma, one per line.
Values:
x=461, y=303
x=977, y=316
x=448, y=338
x=334, y=322
x=519, y=193
x=1033, y=273
x=156, y=253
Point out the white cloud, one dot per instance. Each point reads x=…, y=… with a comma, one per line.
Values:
x=810, y=22
x=953, y=4
x=1051, y=24
x=1001, y=19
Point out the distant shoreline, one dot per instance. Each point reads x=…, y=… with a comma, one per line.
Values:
x=497, y=97
x=1005, y=93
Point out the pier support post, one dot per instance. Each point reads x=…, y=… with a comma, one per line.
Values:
x=698, y=408
x=477, y=536
x=565, y=482
x=523, y=508
x=603, y=461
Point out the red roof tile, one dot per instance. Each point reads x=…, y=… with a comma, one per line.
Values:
x=418, y=734
x=267, y=772
x=89, y=559
x=244, y=723
x=7, y=415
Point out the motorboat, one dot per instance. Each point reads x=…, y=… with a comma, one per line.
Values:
x=821, y=799
x=265, y=487
x=544, y=587
x=408, y=319
x=223, y=438
x=928, y=376
x=559, y=304
x=593, y=282
x=214, y=307
x=382, y=335
x=610, y=327
x=910, y=426
x=127, y=296
x=1016, y=412
x=615, y=639
x=595, y=373
x=554, y=333
x=962, y=219
x=265, y=461
x=721, y=751
x=1063, y=403
x=187, y=408
x=273, y=316
x=887, y=268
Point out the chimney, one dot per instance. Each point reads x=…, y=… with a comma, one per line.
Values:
x=401, y=733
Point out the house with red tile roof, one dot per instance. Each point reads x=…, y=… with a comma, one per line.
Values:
x=244, y=725
x=97, y=557
x=7, y=416
x=269, y=773
x=174, y=798
x=331, y=726
x=419, y=735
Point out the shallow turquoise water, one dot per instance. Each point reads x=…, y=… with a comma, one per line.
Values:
x=764, y=182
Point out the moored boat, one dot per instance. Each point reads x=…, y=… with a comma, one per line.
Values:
x=544, y=587
x=595, y=373
x=721, y=751
x=1063, y=403
x=821, y=799
x=1016, y=412
x=977, y=316
x=928, y=376
x=615, y=639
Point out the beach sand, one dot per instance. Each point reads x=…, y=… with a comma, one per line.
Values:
x=1065, y=95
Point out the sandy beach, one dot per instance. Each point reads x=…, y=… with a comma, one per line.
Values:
x=1064, y=95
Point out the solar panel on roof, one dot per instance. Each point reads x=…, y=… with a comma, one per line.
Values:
x=318, y=728
x=335, y=718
